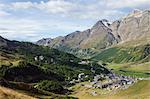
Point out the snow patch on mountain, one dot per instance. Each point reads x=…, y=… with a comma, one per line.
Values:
x=106, y=22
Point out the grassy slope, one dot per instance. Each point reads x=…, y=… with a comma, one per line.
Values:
x=127, y=60
x=132, y=69
x=6, y=93
x=140, y=90
x=139, y=67
x=123, y=54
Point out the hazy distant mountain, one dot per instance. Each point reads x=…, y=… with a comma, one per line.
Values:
x=135, y=27
x=44, y=41
x=3, y=42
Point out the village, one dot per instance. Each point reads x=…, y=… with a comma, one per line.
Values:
x=109, y=82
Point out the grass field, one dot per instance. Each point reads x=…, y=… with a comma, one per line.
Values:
x=132, y=69
x=140, y=90
x=143, y=67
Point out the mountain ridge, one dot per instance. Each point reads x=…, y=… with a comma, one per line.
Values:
x=134, y=27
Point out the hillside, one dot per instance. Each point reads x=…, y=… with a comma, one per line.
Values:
x=133, y=61
x=7, y=93
x=38, y=69
x=125, y=54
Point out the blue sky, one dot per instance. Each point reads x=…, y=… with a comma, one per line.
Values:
x=31, y=20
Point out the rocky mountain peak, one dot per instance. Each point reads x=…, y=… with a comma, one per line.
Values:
x=134, y=26
x=106, y=22
x=137, y=13
x=102, y=23
x=44, y=41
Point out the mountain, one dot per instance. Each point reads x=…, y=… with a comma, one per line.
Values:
x=98, y=37
x=84, y=39
x=44, y=41
x=133, y=33
x=133, y=28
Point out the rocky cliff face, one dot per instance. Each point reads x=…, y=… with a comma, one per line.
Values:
x=100, y=36
x=133, y=27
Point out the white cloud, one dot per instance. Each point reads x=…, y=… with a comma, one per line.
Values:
x=66, y=9
x=3, y=13
x=126, y=3
x=52, y=6
x=80, y=10
x=56, y=6
x=22, y=5
x=19, y=26
x=74, y=9
x=32, y=30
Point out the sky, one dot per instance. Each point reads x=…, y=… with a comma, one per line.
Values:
x=31, y=20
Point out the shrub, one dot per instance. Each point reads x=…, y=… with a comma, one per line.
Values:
x=51, y=86
x=22, y=63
